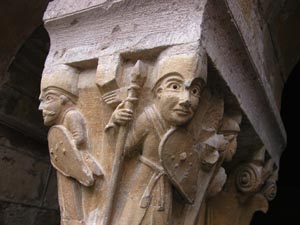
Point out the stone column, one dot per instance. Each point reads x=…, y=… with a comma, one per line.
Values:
x=158, y=113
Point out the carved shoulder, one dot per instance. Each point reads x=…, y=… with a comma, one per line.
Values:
x=75, y=123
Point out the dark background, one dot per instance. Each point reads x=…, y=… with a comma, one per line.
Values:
x=285, y=208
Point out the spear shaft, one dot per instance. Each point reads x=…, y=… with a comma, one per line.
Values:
x=137, y=80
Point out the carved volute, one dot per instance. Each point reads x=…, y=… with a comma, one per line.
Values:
x=247, y=190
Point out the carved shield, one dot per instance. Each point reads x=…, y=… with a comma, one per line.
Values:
x=65, y=156
x=180, y=161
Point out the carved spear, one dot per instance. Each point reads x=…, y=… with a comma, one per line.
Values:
x=138, y=77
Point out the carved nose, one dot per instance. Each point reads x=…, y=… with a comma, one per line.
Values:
x=41, y=106
x=185, y=103
x=185, y=99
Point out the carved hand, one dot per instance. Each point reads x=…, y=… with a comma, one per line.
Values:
x=92, y=163
x=214, y=146
x=115, y=97
x=122, y=116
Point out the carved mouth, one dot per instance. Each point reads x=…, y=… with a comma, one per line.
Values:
x=182, y=112
x=48, y=113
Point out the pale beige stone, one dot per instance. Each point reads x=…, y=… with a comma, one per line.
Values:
x=153, y=111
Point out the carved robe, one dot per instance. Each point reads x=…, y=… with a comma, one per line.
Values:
x=69, y=189
x=149, y=201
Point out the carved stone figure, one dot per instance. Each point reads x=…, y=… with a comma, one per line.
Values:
x=160, y=139
x=157, y=99
x=166, y=160
x=68, y=142
x=230, y=128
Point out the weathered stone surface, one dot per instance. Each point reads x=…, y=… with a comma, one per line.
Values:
x=62, y=7
x=77, y=52
x=264, y=48
x=173, y=23
x=242, y=78
x=93, y=80
x=256, y=34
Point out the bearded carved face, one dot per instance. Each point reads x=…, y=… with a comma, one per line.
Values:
x=177, y=99
x=51, y=106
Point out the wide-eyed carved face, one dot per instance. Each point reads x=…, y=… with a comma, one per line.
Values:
x=177, y=99
x=51, y=106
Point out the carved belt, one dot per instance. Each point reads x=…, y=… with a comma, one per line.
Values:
x=159, y=172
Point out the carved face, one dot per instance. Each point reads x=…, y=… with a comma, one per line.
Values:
x=51, y=106
x=177, y=99
x=231, y=146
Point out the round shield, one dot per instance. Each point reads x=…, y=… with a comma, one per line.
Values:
x=180, y=161
x=65, y=157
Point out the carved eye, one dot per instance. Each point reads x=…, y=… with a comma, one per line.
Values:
x=196, y=91
x=174, y=86
x=49, y=98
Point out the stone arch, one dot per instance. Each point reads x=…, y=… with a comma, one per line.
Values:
x=28, y=186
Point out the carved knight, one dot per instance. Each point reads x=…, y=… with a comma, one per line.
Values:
x=165, y=163
x=68, y=142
